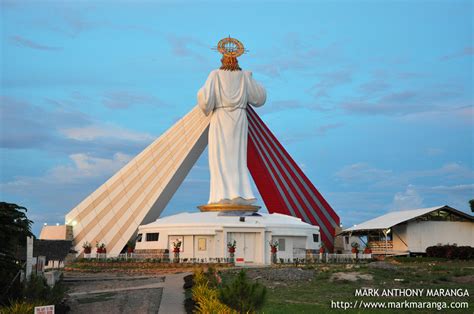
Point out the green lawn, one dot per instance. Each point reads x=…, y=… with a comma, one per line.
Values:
x=315, y=296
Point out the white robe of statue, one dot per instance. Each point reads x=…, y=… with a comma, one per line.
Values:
x=226, y=95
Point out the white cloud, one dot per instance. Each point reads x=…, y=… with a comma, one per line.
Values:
x=123, y=99
x=330, y=80
x=50, y=196
x=362, y=172
x=464, y=52
x=86, y=166
x=82, y=168
x=409, y=199
x=24, y=42
x=92, y=132
x=451, y=170
x=456, y=114
x=454, y=188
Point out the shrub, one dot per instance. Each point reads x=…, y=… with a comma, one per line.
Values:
x=20, y=307
x=188, y=281
x=451, y=252
x=206, y=298
x=36, y=292
x=242, y=295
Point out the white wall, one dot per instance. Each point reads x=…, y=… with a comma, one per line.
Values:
x=162, y=242
x=293, y=244
x=210, y=247
x=423, y=234
x=347, y=240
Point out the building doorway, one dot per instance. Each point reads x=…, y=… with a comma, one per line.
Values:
x=245, y=246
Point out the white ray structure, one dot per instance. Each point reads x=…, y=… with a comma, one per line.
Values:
x=138, y=193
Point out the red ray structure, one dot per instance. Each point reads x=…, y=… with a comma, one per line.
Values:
x=284, y=187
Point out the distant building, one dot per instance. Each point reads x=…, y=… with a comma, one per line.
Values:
x=55, y=243
x=205, y=235
x=412, y=231
x=55, y=252
x=61, y=232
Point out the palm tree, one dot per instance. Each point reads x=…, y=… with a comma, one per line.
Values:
x=471, y=203
x=14, y=228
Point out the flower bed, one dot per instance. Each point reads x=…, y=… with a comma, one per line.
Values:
x=85, y=265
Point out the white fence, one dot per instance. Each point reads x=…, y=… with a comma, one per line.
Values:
x=299, y=257
x=344, y=258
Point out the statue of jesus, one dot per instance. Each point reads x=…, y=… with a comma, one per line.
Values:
x=225, y=95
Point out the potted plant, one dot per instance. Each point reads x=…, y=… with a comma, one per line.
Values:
x=368, y=249
x=87, y=247
x=231, y=248
x=274, y=250
x=130, y=246
x=176, y=249
x=355, y=247
x=100, y=248
x=322, y=248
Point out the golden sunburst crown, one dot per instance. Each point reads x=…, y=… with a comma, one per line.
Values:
x=230, y=47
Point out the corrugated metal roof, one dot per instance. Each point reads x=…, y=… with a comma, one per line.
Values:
x=394, y=218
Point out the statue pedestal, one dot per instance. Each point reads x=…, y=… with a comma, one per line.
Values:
x=228, y=208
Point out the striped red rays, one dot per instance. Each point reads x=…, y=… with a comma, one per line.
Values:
x=283, y=186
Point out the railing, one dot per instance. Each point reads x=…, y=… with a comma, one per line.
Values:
x=96, y=255
x=299, y=253
x=345, y=258
x=157, y=259
x=319, y=258
x=380, y=247
x=298, y=258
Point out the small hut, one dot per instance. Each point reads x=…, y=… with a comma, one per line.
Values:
x=412, y=231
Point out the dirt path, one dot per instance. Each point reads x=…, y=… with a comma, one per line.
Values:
x=119, y=293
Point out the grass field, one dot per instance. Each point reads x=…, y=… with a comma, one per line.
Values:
x=315, y=296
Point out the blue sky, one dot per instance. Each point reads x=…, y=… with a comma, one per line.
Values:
x=374, y=100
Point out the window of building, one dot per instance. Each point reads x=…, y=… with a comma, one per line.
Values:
x=346, y=239
x=139, y=237
x=315, y=237
x=202, y=244
x=281, y=245
x=152, y=236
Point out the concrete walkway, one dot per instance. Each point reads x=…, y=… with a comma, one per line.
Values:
x=151, y=286
x=172, y=300
x=108, y=293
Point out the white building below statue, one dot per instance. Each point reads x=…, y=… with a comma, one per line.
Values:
x=205, y=235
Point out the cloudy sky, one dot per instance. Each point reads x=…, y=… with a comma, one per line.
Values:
x=373, y=100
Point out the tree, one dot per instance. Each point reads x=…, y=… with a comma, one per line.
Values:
x=242, y=295
x=471, y=203
x=14, y=228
